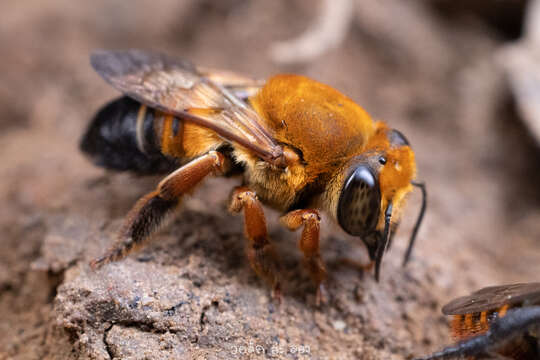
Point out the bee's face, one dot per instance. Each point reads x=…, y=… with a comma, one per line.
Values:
x=372, y=179
x=399, y=168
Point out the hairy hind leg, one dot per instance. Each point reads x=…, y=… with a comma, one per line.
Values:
x=309, y=245
x=150, y=211
x=259, y=249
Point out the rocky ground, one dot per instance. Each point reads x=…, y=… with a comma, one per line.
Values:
x=428, y=68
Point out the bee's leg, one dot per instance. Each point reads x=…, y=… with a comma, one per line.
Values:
x=151, y=210
x=309, y=245
x=259, y=249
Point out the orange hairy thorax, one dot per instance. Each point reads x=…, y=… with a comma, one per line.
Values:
x=325, y=125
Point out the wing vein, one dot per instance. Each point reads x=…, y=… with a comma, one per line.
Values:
x=178, y=88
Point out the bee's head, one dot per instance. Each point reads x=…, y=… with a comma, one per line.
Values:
x=373, y=180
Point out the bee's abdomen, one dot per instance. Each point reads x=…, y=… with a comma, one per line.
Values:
x=123, y=136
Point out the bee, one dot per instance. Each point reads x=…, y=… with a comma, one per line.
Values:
x=300, y=147
x=499, y=321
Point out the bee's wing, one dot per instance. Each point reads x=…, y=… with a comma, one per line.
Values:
x=177, y=87
x=493, y=297
x=241, y=86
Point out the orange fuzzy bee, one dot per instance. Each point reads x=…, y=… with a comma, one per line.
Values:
x=299, y=145
x=501, y=322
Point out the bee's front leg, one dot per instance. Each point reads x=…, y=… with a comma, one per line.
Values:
x=309, y=245
x=151, y=210
x=259, y=249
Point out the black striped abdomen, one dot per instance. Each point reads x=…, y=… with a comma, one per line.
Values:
x=126, y=136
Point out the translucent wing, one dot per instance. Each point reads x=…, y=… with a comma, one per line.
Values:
x=493, y=297
x=240, y=85
x=179, y=88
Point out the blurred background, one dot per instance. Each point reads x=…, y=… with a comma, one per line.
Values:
x=461, y=79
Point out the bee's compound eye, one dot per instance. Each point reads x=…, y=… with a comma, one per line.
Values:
x=397, y=139
x=359, y=202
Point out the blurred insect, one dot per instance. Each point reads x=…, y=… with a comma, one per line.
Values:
x=300, y=146
x=502, y=322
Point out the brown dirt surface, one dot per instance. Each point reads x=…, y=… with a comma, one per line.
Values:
x=191, y=292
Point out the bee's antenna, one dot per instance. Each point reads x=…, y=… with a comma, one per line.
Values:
x=381, y=246
x=422, y=187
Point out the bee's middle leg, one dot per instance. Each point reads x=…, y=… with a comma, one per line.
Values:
x=309, y=245
x=260, y=251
